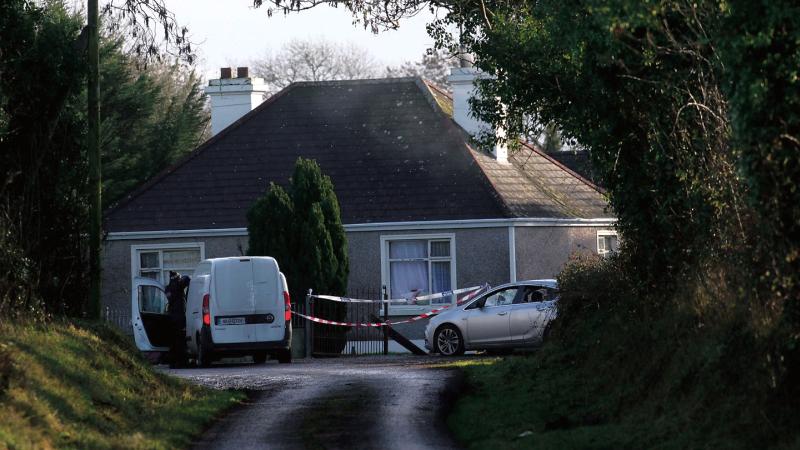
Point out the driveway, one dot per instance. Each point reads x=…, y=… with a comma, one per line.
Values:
x=394, y=402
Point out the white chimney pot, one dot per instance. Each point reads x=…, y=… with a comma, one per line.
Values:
x=232, y=98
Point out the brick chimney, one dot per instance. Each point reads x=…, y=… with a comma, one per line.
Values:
x=231, y=98
x=462, y=81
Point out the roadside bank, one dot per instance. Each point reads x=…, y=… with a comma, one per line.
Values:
x=84, y=385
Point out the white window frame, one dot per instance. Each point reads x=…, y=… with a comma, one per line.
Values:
x=600, y=235
x=410, y=310
x=136, y=249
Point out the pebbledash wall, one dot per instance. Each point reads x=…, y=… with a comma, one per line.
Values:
x=493, y=251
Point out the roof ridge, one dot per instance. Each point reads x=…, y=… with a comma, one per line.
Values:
x=536, y=149
x=381, y=80
x=547, y=190
x=436, y=87
x=466, y=139
x=194, y=153
x=506, y=207
x=504, y=204
x=532, y=147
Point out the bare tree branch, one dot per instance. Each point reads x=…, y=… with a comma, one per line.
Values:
x=149, y=28
x=375, y=15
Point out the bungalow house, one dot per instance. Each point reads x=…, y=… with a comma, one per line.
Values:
x=423, y=208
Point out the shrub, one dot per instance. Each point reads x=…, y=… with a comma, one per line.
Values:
x=589, y=281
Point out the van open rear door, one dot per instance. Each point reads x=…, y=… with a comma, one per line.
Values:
x=152, y=328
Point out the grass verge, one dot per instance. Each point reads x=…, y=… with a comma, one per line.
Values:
x=84, y=385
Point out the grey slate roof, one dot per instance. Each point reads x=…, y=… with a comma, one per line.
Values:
x=578, y=161
x=390, y=149
x=535, y=184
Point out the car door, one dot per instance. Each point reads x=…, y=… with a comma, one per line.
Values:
x=488, y=322
x=530, y=314
x=152, y=326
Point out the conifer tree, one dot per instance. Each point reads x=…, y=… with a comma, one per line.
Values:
x=302, y=229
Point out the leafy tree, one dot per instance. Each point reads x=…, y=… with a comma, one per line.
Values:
x=314, y=60
x=303, y=231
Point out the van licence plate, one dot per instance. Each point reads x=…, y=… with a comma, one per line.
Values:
x=231, y=321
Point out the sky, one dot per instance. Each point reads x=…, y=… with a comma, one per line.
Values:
x=231, y=33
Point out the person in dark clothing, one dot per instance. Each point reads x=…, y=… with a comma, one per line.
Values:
x=176, y=308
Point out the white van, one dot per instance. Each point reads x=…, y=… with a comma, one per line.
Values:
x=236, y=306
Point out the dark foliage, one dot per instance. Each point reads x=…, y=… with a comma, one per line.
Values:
x=42, y=206
x=149, y=119
x=303, y=231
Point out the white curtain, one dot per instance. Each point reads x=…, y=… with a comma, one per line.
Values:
x=440, y=280
x=408, y=278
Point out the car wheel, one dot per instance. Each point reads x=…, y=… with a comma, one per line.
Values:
x=285, y=356
x=448, y=341
x=203, y=354
x=260, y=357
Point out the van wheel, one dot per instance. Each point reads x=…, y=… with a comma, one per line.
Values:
x=284, y=356
x=260, y=357
x=203, y=355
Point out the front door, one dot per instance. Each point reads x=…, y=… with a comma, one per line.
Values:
x=152, y=327
x=489, y=323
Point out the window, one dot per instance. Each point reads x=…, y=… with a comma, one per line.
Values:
x=607, y=242
x=501, y=298
x=153, y=300
x=156, y=261
x=419, y=265
x=534, y=294
x=157, y=264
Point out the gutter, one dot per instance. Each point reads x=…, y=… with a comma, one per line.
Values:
x=378, y=226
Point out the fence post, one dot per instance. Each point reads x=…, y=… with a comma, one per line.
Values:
x=309, y=324
x=385, y=320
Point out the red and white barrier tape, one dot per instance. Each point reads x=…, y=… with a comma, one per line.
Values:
x=398, y=300
x=343, y=324
x=373, y=324
x=426, y=315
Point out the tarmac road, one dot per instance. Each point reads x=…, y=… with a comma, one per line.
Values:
x=385, y=402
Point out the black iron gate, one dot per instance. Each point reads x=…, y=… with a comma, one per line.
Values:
x=333, y=340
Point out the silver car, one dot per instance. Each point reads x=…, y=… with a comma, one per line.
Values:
x=509, y=316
